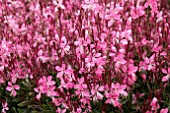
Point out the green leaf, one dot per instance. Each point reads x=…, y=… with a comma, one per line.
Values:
x=28, y=110
x=96, y=111
x=24, y=103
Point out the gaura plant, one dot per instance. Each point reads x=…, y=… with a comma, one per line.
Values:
x=84, y=56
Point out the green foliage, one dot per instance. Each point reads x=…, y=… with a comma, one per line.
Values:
x=25, y=101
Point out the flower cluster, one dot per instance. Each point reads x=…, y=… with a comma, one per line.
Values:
x=85, y=55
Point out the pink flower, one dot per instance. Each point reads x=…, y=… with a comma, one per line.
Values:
x=64, y=46
x=119, y=59
x=60, y=70
x=85, y=100
x=89, y=62
x=5, y=107
x=165, y=110
x=119, y=88
x=153, y=5
x=99, y=71
x=1, y=80
x=81, y=88
x=154, y=104
x=61, y=102
x=144, y=77
x=38, y=96
x=96, y=93
x=59, y=110
x=166, y=78
x=58, y=4
x=90, y=4
x=148, y=63
x=12, y=88
x=78, y=110
x=45, y=86
x=58, y=101
x=137, y=12
x=113, y=96
x=148, y=112
x=67, y=71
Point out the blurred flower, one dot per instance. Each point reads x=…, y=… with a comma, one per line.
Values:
x=5, y=107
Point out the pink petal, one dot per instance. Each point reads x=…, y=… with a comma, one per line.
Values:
x=84, y=85
x=165, y=78
x=107, y=17
x=144, y=76
x=60, y=74
x=76, y=86
x=81, y=80
x=164, y=71
x=51, y=83
x=38, y=96
x=110, y=23
x=168, y=70
x=86, y=93
x=58, y=68
x=9, y=83
x=61, y=6
x=165, y=110
x=99, y=96
x=14, y=93
x=148, y=111
x=108, y=101
x=1, y=68
x=98, y=55
x=8, y=88
x=101, y=88
x=163, y=53
x=63, y=66
x=70, y=85
x=93, y=91
x=16, y=87
x=49, y=78
x=87, y=1
x=6, y=108
x=63, y=111
x=154, y=101
x=114, y=49
x=68, y=71
x=36, y=90
x=58, y=101
x=124, y=41
x=4, y=104
x=77, y=43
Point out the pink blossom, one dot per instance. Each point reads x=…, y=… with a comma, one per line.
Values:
x=90, y=4
x=81, y=88
x=113, y=99
x=12, y=88
x=96, y=92
x=148, y=112
x=115, y=92
x=61, y=70
x=64, y=46
x=154, y=104
x=58, y=4
x=45, y=86
x=165, y=110
x=58, y=101
x=95, y=51
x=166, y=78
x=153, y=5
x=5, y=107
x=137, y=12
x=59, y=110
